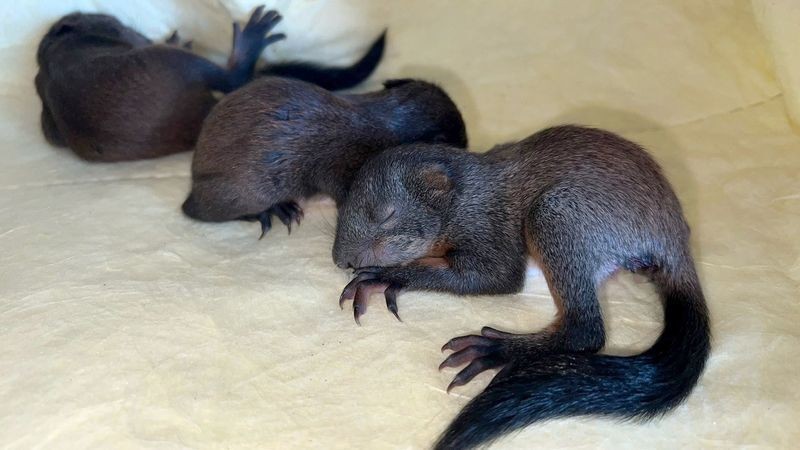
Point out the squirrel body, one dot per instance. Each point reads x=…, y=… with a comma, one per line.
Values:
x=278, y=141
x=110, y=94
x=583, y=203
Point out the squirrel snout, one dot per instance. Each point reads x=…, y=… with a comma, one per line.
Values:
x=342, y=261
x=189, y=206
x=344, y=265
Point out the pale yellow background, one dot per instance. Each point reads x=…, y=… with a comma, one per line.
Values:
x=123, y=324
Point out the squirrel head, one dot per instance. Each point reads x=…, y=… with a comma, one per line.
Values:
x=397, y=207
x=99, y=28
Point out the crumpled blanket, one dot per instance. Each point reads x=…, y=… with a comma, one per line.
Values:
x=124, y=324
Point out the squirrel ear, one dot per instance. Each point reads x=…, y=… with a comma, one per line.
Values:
x=436, y=178
x=434, y=184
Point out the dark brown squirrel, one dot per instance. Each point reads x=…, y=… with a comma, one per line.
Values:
x=584, y=203
x=277, y=141
x=110, y=94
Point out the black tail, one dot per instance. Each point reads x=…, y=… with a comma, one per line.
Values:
x=560, y=385
x=332, y=78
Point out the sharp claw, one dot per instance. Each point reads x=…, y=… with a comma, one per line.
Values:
x=283, y=215
x=453, y=384
x=467, y=374
x=462, y=342
x=460, y=357
x=357, y=313
x=286, y=213
x=266, y=224
x=348, y=293
x=396, y=314
x=391, y=300
x=491, y=333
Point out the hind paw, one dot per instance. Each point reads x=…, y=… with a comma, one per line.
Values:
x=489, y=350
x=249, y=42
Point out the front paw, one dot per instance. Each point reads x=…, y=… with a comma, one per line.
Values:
x=286, y=212
x=254, y=38
x=491, y=349
x=369, y=281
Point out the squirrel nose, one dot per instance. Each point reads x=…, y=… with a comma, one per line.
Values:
x=345, y=265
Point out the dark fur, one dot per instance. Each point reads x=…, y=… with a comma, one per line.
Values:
x=277, y=141
x=110, y=94
x=332, y=78
x=584, y=203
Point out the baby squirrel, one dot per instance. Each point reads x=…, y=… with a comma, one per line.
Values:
x=110, y=94
x=277, y=141
x=584, y=203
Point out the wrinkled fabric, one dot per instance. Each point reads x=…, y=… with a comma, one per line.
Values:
x=123, y=324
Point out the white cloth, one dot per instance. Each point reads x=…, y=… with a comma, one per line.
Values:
x=123, y=324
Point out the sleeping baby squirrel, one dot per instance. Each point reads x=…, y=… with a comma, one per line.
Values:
x=110, y=94
x=278, y=141
x=583, y=203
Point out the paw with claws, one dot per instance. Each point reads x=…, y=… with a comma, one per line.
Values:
x=489, y=350
x=366, y=283
x=250, y=41
x=286, y=212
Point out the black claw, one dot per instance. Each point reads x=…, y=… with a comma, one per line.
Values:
x=464, y=356
x=360, y=301
x=283, y=214
x=472, y=370
x=297, y=211
x=266, y=223
x=357, y=313
x=481, y=352
x=287, y=213
x=462, y=342
x=391, y=299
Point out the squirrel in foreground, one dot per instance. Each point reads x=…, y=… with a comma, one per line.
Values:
x=277, y=141
x=582, y=202
x=110, y=94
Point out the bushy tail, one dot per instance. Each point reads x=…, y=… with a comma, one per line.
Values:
x=641, y=386
x=332, y=78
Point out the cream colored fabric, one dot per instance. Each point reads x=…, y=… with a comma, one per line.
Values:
x=125, y=325
x=779, y=21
